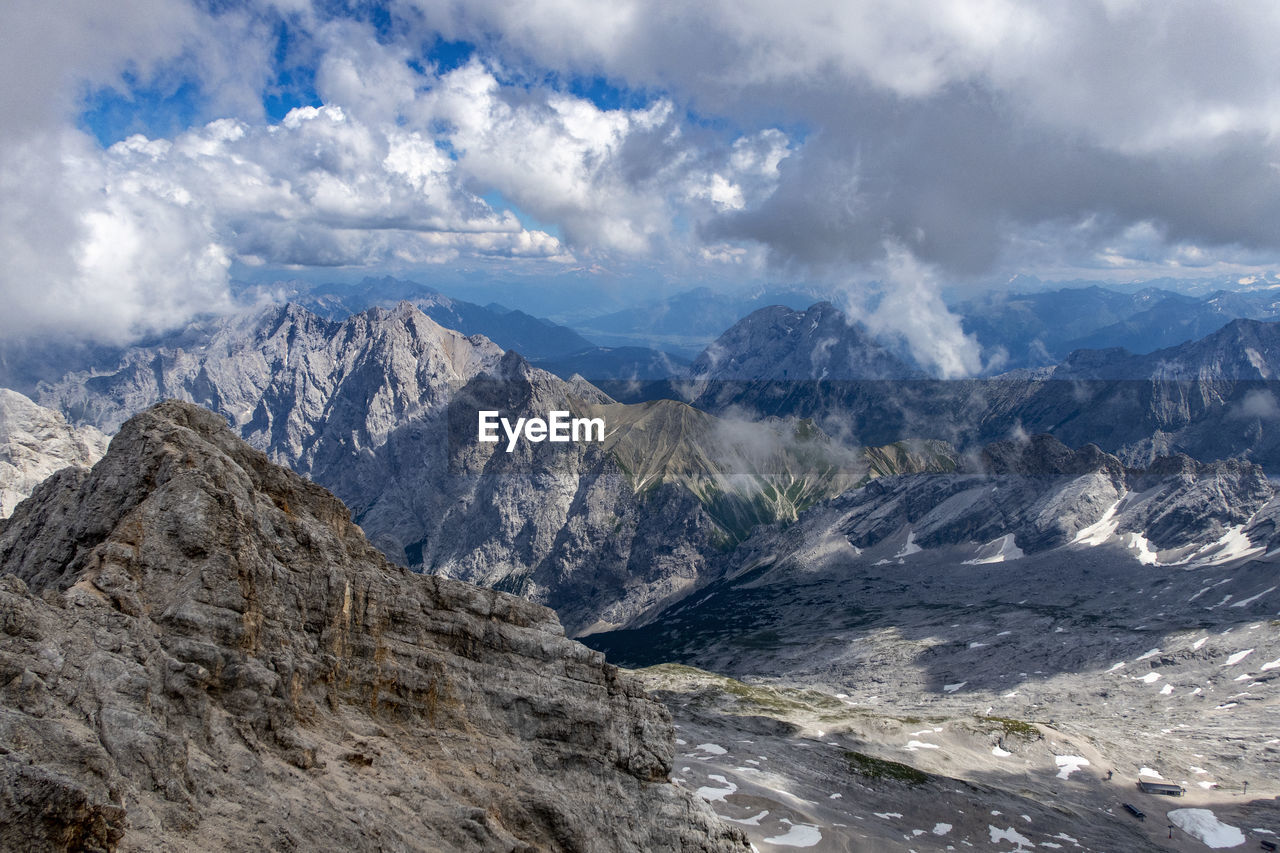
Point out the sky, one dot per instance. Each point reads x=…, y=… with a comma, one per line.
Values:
x=154, y=151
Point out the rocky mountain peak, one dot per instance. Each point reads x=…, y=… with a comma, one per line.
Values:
x=1243, y=349
x=194, y=635
x=777, y=342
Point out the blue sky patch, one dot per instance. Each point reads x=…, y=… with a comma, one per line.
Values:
x=499, y=202
x=153, y=110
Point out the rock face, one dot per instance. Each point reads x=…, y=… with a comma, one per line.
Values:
x=777, y=343
x=201, y=651
x=1041, y=495
x=35, y=442
x=299, y=387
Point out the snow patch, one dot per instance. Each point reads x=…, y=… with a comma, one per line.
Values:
x=1207, y=588
x=1147, y=771
x=1101, y=530
x=1068, y=764
x=1148, y=654
x=1166, y=690
x=754, y=820
x=941, y=828
x=1011, y=835
x=1138, y=545
x=909, y=548
x=1232, y=545
x=1271, y=664
x=1195, y=647
x=717, y=794
x=914, y=745
x=1116, y=666
x=1000, y=753
x=711, y=748
x=952, y=688
x=799, y=835
x=997, y=551
x=1204, y=825
x=1251, y=600
x=1237, y=657
x=1150, y=678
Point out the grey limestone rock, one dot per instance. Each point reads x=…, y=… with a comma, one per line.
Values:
x=34, y=443
x=199, y=650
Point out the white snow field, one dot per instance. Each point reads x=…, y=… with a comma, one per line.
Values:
x=1204, y=825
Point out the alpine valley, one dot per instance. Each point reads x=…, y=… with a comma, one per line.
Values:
x=874, y=610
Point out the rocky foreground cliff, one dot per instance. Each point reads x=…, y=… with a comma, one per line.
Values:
x=199, y=650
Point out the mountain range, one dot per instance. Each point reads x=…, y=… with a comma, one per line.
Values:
x=1040, y=328
x=1211, y=399
x=382, y=409
x=863, y=593
x=531, y=336
x=684, y=323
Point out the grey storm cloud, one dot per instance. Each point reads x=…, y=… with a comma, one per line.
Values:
x=955, y=176
x=952, y=127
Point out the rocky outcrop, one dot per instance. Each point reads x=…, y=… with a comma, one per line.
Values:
x=199, y=650
x=35, y=442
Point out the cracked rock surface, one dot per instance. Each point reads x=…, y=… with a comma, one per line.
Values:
x=199, y=650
